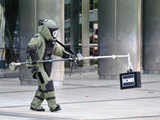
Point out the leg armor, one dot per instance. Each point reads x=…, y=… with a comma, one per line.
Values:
x=37, y=101
x=46, y=88
x=50, y=95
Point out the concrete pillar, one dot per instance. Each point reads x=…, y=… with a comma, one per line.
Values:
x=2, y=28
x=119, y=34
x=30, y=12
x=85, y=30
x=27, y=29
x=151, y=32
x=2, y=32
x=54, y=9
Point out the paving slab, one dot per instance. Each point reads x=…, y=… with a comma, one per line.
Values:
x=84, y=99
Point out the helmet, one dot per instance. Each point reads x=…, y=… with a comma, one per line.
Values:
x=51, y=25
x=48, y=22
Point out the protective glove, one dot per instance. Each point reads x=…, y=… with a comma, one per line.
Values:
x=12, y=66
x=74, y=58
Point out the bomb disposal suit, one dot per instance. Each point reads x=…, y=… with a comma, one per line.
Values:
x=42, y=47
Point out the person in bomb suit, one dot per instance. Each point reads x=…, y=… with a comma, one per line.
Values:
x=41, y=47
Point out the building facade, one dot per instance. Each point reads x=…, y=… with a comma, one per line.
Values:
x=115, y=27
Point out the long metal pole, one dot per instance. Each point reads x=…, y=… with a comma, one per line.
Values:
x=79, y=58
x=102, y=57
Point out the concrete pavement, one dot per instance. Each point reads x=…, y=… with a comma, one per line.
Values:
x=84, y=97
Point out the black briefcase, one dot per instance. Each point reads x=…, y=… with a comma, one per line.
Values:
x=130, y=80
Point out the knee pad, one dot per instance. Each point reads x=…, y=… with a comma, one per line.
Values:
x=34, y=75
x=49, y=86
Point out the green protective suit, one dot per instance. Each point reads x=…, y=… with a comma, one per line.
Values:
x=44, y=47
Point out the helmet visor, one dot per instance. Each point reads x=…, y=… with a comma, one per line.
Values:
x=53, y=32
